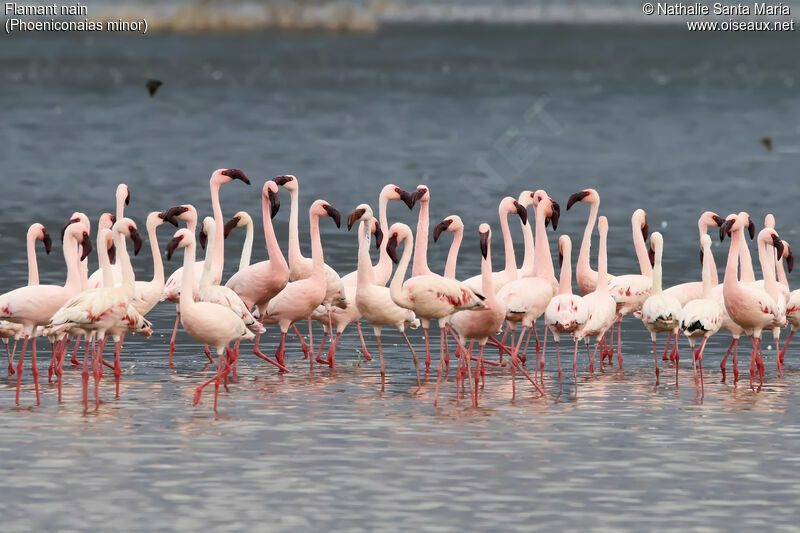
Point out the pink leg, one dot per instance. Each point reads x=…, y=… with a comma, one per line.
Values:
x=35, y=371
x=527, y=341
x=677, y=359
x=442, y=339
x=19, y=366
x=575, y=368
x=85, y=375
x=172, y=340
x=427, y=351
x=544, y=350
x=655, y=356
x=694, y=371
x=666, y=348
x=367, y=356
x=735, y=361
x=478, y=369
x=272, y=361
x=785, y=345
x=380, y=354
x=75, y=361
x=303, y=344
x=760, y=364
x=414, y=355
x=332, y=351
x=558, y=358
x=590, y=357
x=117, y=365
x=700, y=364
x=447, y=358
x=619, y=343
x=10, y=361
x=503, y=341
x=208, y=354
x=319, y=358
x=723, y=363
x=96, y=366
x=752, y=359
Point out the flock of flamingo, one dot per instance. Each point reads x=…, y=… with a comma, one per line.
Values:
x=111, y=302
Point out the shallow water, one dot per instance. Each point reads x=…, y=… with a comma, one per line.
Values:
x=651, y=117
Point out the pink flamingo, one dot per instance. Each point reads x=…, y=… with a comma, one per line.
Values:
x=258, y=283
x=373, y=300
x=174, y=283
x=631, y=290
x=526, y=199
x=526, y=299
x=793, y=303
x=702, y=317
x=500, y=278
x=32, y=306
x=299, y=298
x=123, y=198
x=661, y=312
x=206, y=322
x=430, y=296
x=767, y=238
x=585, y=276
x=566, y=312
x=749, y=307
x=242, y=219
x=147, y=293
x=455, y=225
x=482, y=323
x=600, y=304
x=36, y=232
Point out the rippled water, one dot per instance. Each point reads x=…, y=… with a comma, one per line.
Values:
x=653, y=118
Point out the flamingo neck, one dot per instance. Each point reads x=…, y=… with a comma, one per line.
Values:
x=103, y=260
x=781, y=274
x=584, y=269
x=158, y=265
x=317, y=258
x=396, y=286
x=295, y=255
x=383, y=268
x=76, y=277
x=641, y=252
x=33, y=266
x=703, y=227
x=128, y=279
x=746, y=260
x=565, y=281
x=544, y=262
x=187, y=282
x=657, y=270
x=247, y=248
x=207, y=277
x=766, y=258
x=120, y=211
x=602, y=263
x=366, y=275
x=420, y=267
x=730, y=282
x=487, y=282
x=219, y=244
x=452, y=255
x=511, y=260
x=530, y=250
x=273, y=248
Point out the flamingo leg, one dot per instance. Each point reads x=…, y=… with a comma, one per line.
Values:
x=85, y=375
x=74, y=360
x=558, y=358
x=427, y=351
x=19, y=366
x=10, y=360
x=311, y=336
x=544, y=350
x=785, y=345
x=97, y=356
x=414, y=355
x=208, y=354
x=513, y=380
x=172, y=340
x=575, y=367
x=752, y=359
x=446, y=358
x=677, y=358
x=723, y=363
x=51, y=367
x=666, y=348
x=380, y=354
x=655, y=355
x=590, y=357
x=35, y=369
x=700, y=364
x=694, y=370
x=117, y=365
x=515, y=362
x=525, y=354
x=503, y=341
x=274, y=361
x=303, y=344
x=619, y=342
x=319, y=358
x=332, y=351
x=441, y=368
x=760, y=364
x=735, y=361
x=367, y=356
x=478, y=371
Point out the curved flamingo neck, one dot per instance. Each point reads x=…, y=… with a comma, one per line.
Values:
x=295, y=255
x=583, y=269
x=730, y=282
x=247, y=247
x=33, y=266
x=487, y=282
x=781, y=273
x=396, y=286
x=452, y=255
x=565, y=281
x=602, y=262
x=273, y=248
x=641, y=251
x=383, y=268
x=187, y=282
x=128, y=279
x=746, y=260
x=206, y=278
x=120, y=211
x=76, y=278
x=366, y=274
x=528, y=260
x=219, y=244
x=158, y=265
x=420, y=267
x=703, y=227
x=104, y=237
x=511, y=260
x=317, y=258
x=766, y=258
x=543, y=262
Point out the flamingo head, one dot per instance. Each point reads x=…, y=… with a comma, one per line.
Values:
x=787, y=254
x=324, y=209
x=154, y=219
x=127, y=227
x=736, y=222
x=224, y=175
x=270, y=192
x=287, y=181
x=239, y=220
x=526, y=198
x=656, y=244
x=550, y=209
x=639, y=220
x=564, y=248
x=185, y=212
x=123, y=194
x=422, y=194
x=589, y=196
x=602, y=224
x=769, y=220
x=105, y=239
x=76, y=218
x=452, y=223
x=485, y=233
x=398, y=232
x=207, y=227
x=86, y=245
x=106, y=221
x=769, y=237
x=37, y=232
x=362, y=213
x=377, y=231
x=182, y=238
x=393, y=192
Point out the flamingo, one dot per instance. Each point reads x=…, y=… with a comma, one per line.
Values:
x=147, y=293
x=373, y=300
x=36, y=232
x=751, y=308
x=702, y=317
x=566, y=312
x=769, y=237
x=662, y=312
x=600, y=304
x=96, y=311
x=208, y=323
x=123, y=198
x=526, y=299
x=258, y=283
x=500, y=278
x=631, y=290
x=585, y=276
x=299, y=298
x=482, y=323
x=793, y=303
x=430, y=296
x=242, y=219
x=174, y=283
x=32, y=306
x=526, y=199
